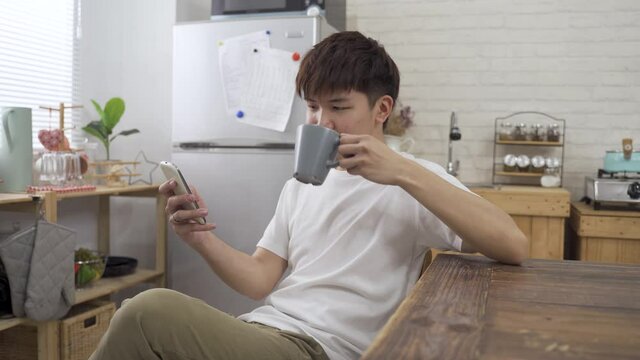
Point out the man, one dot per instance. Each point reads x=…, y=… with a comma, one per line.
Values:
x=354, y=246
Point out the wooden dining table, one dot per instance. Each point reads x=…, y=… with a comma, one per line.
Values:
x=470, y=307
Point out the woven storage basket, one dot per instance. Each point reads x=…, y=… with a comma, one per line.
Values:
x=82, y=329
x=80, y=332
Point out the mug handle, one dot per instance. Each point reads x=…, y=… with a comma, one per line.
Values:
x=332, y=164
x=5, y=124
x=410, y=141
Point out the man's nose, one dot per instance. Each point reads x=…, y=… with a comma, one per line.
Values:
x=312, y=119
x=322, y=119
x=325, y=120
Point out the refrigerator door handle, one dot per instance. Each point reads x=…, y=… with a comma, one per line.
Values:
x=214, y=145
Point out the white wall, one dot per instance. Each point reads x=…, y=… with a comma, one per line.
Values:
x=126, y=49
x=577, y=60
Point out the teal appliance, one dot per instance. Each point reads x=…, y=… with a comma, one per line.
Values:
x=16, y=149
x=615, y=161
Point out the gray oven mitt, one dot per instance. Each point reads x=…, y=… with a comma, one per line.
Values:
x=50, y=286
x=15, y=252
x=39, y=265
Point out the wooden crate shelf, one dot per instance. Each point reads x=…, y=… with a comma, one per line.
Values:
x=611, y=236
x=539, y=212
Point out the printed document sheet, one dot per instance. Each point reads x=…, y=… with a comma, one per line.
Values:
x=271, y=88
x=258, y=81
x=233, y=58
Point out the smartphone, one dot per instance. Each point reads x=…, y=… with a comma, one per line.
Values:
x=172, y=172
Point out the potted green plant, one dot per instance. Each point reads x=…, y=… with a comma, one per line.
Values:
x=109, y=118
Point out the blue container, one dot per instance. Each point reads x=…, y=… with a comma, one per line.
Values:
x=615, y=161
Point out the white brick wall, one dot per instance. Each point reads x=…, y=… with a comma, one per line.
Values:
x=574, y=59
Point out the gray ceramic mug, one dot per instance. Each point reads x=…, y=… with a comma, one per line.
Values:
x=315, y=153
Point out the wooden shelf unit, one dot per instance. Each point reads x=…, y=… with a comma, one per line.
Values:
x=539, y=212
x=521, y=174
x=108, y=286
x=9, y=323
x=526, y=147
x=48, y=337
x=529, y=143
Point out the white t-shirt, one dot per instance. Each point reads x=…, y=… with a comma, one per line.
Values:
x=354, y=250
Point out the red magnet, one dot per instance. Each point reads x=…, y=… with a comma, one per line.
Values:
x=295, y=56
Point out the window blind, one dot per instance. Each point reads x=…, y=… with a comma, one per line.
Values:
x=39, y=65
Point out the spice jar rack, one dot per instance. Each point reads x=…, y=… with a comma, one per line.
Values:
x=528, y=145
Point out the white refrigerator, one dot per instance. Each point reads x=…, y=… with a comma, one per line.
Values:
x=238, y=169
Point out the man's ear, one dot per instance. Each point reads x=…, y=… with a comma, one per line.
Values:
x=383, y=108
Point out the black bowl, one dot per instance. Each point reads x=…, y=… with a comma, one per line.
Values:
x=119, y=266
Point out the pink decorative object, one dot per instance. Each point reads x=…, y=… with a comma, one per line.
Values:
x=52, y=140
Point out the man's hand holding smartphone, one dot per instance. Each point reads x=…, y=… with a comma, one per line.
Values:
x=185, y=207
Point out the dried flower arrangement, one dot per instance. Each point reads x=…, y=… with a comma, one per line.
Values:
x=399, y=121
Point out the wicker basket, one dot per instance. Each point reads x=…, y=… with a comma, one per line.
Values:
x=79, y=332
x=82, y=329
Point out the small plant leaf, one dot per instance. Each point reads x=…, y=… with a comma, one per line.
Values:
x=97, y=129
x=98, y=109
x=113, y=111
x=125, y=133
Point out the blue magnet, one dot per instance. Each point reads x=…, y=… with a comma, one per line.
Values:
x=240, y=114
x=268, y=32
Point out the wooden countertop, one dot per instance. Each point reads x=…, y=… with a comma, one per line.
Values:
x=607, y=224
x=6, y=198
x=469, y=307
x=585, y=209
x=528, y=200
x=515, y=189
x=147, y=190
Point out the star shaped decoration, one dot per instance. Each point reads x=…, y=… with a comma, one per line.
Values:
x=147, y=167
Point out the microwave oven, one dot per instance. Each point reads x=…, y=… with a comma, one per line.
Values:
x=228, y=7
x=333, y=10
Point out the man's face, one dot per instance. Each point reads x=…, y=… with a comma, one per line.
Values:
x=345, y=112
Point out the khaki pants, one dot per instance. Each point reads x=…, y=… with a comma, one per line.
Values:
x=165, y=324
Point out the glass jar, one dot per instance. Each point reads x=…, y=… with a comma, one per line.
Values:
x=509, y=163
x=520, y=132
x=532, y=134
x=523, y=162
x=60, y=168
x=52, y=170
x=541, y=133
x=552, y=162
x=537, y=164
x=506, y=132
x=72, y=169
x=553, y=133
